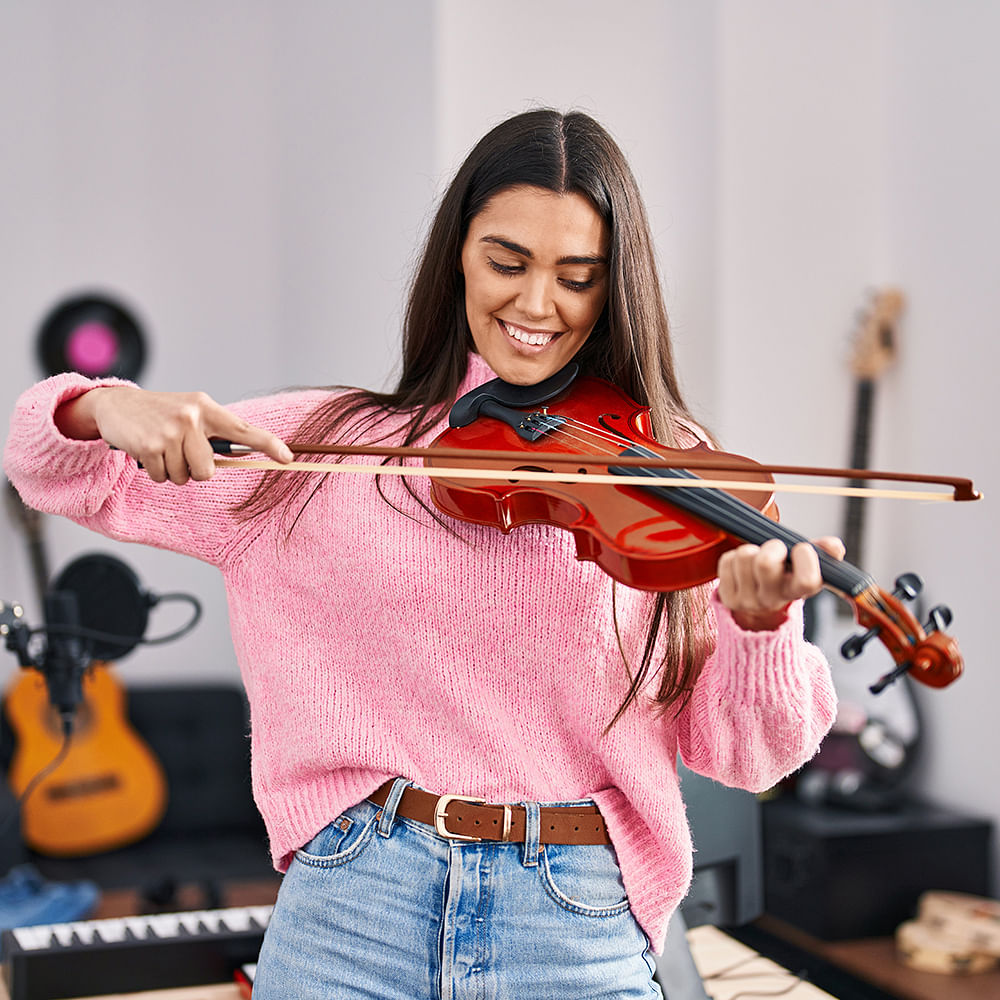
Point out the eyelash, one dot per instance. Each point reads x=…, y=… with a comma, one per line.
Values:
x=509, y=270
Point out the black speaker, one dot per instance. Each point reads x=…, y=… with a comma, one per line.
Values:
x=839, y=873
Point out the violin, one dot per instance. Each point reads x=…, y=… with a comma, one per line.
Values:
x=648, y=533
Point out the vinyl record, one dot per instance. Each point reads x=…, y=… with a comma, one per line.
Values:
x=93, y=335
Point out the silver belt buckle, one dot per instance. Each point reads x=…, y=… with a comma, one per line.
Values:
x=441, y=814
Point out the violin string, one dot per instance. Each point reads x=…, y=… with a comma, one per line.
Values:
x=637, y=450
x=599, y=433
x=876, y=599
x=742, y=518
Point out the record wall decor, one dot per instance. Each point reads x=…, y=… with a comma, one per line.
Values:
x=93, y=335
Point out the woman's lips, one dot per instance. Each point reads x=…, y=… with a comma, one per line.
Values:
x=528, y=338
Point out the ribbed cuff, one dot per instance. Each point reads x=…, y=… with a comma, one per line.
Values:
x=764, y=666
x=36, y=444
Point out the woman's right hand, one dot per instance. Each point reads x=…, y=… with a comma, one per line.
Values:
x=166, y=432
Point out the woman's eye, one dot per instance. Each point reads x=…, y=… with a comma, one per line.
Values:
x=509, y=270
x=505, y=268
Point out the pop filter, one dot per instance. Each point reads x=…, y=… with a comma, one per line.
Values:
x=93, y=335
x=109, y=600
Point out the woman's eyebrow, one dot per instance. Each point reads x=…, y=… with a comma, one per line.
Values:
x=525, y=252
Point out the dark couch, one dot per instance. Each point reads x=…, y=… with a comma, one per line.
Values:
x=211, y=832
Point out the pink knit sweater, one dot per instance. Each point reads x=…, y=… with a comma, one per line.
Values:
x=374, y=645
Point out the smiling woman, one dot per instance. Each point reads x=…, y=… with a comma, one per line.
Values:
x=535, y=266
x=464, y=741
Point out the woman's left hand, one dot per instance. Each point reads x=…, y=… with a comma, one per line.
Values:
x=758, y=582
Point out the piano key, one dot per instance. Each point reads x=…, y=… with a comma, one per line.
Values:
x=32, y=938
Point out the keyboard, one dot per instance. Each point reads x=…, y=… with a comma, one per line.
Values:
x=129, y=954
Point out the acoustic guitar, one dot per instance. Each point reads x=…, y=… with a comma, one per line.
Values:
x=109, y=790
x=874, y=739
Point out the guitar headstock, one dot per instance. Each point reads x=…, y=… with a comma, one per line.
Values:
x=11, y=614
x=15, y=632
x=874, y=346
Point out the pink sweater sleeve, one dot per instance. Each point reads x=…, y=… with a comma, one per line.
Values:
x=105, y=490
x=761, y=707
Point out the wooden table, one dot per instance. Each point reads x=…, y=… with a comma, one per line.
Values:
x=128, y=902
x=874, y=960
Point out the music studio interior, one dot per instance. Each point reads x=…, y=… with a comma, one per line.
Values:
x=228, y=197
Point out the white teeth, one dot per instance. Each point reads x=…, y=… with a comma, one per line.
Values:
x=534, y=339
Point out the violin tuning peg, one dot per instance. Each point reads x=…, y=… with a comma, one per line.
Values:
x=852, y=646
x=939, y=620
x=908, y=586
x=890, y=678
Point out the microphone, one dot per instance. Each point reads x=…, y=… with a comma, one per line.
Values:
x=96, y=609
x=66, y=657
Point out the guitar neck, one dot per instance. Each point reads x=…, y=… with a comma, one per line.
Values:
x=39, y=567
x=854, y=512
x=854, y=515
x=31, y=524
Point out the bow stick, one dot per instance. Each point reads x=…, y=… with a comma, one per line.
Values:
x=962, y=489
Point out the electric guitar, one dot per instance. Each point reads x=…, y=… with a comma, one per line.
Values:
x=874, y=739
x=109, y=790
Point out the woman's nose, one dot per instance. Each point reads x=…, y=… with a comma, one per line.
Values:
x=535, y=298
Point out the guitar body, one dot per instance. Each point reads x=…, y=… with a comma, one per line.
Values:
x=107, y=792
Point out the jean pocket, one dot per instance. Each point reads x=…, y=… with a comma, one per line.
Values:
x=342, y=840
x=584, y=879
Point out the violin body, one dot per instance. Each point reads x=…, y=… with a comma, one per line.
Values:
x=632, y=534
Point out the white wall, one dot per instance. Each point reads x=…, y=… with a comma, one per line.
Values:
x=859, y=146
x=943, y=216
x=254, y=177
x=250, y=177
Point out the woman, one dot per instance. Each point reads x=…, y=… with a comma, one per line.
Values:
x=399, y=664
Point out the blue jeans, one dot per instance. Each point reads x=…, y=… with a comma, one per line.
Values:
x=380, y=906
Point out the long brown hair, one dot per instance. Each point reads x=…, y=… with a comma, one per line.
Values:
x=630, y=344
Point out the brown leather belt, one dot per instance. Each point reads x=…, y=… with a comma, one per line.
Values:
x=458, y=817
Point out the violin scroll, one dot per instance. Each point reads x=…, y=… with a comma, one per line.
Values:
x=926, y=652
